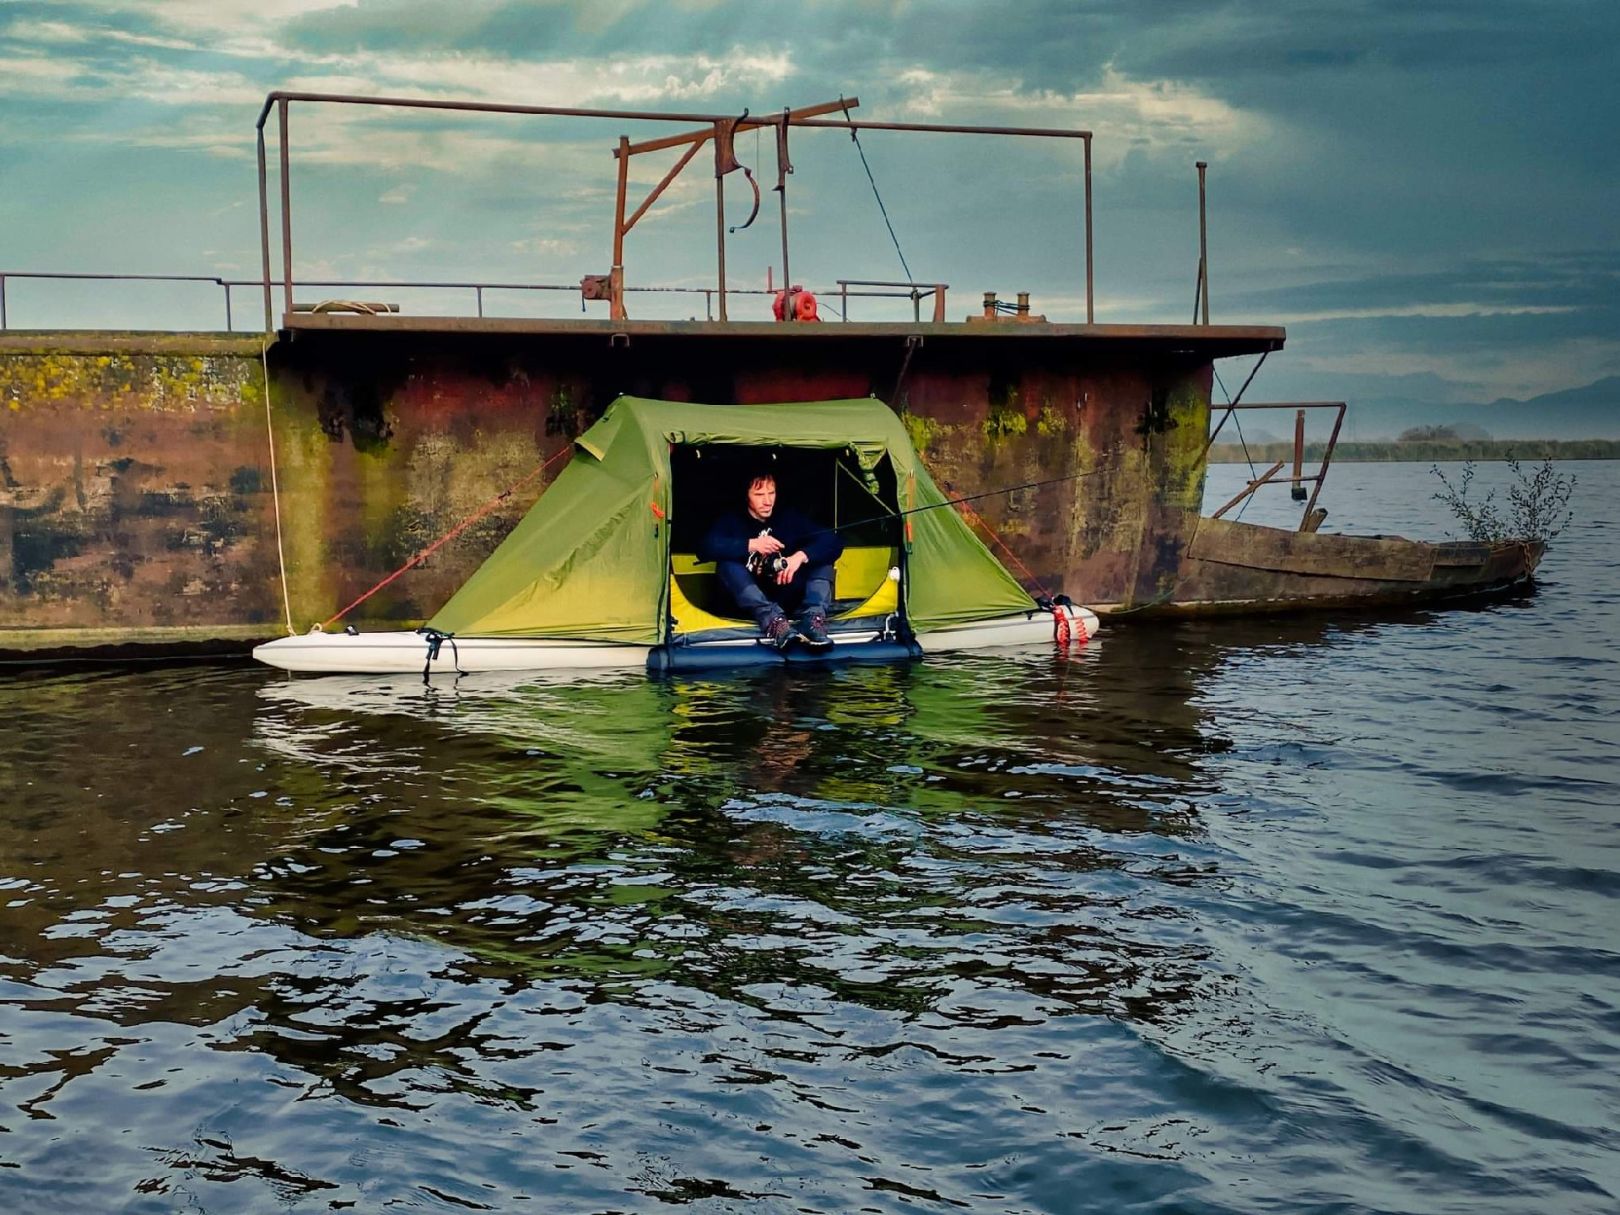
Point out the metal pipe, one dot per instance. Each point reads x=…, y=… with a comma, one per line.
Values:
x=720, y=220
x=1091, y=313
x=426, y=103
x=3, y=324
x=481, y=107
x=1321, y=473
x=479, y=291
x=943, y=128
x=1234, y=402
x=790, y=310
x=264, y=234
x=616, y=308
x=1251, y=487
x=1297, y=490
x=697, y=138
x=1203, y=241
x=230, y=327
x=286, y=215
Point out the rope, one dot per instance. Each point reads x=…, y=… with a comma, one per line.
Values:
x=989, y=493
x=975, y=517
x=275, y=486
x=1062, y=629
x=450, y=535
x=855, y=138
x=360, y=306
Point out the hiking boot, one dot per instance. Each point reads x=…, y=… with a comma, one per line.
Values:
x=776, y=633
x=813, y=631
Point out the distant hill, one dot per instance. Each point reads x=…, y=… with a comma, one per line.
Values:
x=1588, y=412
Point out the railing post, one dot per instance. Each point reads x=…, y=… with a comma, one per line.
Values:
x=1091, y=314
x=229, y=327
x=1297, y=490
x=720, y=216
x=616, y=309
x=480, y=293
x=286, y=213
x=783, y=168
x=264, y=234
x=1203, y=242
x=3, y=324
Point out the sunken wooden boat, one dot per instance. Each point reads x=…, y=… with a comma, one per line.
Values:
x=1234, y=568
x=1227, y=567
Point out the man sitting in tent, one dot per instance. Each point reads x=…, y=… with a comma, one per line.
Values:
x=773, y=561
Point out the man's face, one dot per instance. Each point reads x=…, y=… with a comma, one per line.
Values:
x=762, y=498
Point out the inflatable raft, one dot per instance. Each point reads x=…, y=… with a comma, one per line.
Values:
x=396, y=652
x=602, y=572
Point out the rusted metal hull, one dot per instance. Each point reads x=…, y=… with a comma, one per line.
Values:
x=136, y=503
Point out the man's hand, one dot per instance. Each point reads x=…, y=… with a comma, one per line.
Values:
x=785, y=576
x=766, y=546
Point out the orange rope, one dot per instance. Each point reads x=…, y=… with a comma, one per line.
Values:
x=451, y=534
x=1061, y=629
x=975, y=517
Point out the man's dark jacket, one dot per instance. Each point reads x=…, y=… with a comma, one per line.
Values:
x=727, y=539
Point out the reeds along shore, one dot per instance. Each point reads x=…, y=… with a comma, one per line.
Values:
x=1425, y=451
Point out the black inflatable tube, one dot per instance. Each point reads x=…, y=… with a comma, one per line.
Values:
x=677, y=658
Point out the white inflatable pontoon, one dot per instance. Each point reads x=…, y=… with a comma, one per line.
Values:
x=430, y=653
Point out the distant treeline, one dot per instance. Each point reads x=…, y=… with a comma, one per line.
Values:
x=1426, y=451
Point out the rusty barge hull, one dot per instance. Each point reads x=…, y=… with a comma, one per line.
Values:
x=137, y=503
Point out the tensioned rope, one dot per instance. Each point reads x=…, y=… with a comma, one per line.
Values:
x=450, y=535
x=855, y=138
x=975, y=517
x=275, y=487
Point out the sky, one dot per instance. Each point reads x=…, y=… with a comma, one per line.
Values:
x=1426, y=195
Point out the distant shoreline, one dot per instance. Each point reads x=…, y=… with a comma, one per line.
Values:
x=1423, y=451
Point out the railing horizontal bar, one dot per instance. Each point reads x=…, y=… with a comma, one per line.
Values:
x=764, y=119
x=951, y=128
x=160, y=278
x=490, y=107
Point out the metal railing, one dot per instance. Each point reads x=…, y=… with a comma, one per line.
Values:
x=1309, y=521
x=722, y=126
x=914, y=292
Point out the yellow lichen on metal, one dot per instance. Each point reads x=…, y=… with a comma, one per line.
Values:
x=161, y=382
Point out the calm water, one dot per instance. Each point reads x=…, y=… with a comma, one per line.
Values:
x=1296, y=916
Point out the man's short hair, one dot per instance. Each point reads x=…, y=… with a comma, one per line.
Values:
x=754, y=476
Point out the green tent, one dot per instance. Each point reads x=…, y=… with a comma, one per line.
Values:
x=591, y=559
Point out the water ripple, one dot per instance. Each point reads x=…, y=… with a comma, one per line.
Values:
x=1301, y=915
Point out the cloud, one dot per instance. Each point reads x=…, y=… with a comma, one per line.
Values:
x=66, y=33
x=1126, y=115
x=546, y=246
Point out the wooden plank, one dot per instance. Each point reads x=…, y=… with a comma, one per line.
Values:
x=1382, y=558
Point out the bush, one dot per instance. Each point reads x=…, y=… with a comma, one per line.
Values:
x=1537, y=508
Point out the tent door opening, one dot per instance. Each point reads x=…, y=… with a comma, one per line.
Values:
x=827, y=485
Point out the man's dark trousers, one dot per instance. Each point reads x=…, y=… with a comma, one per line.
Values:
x=810, y=590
